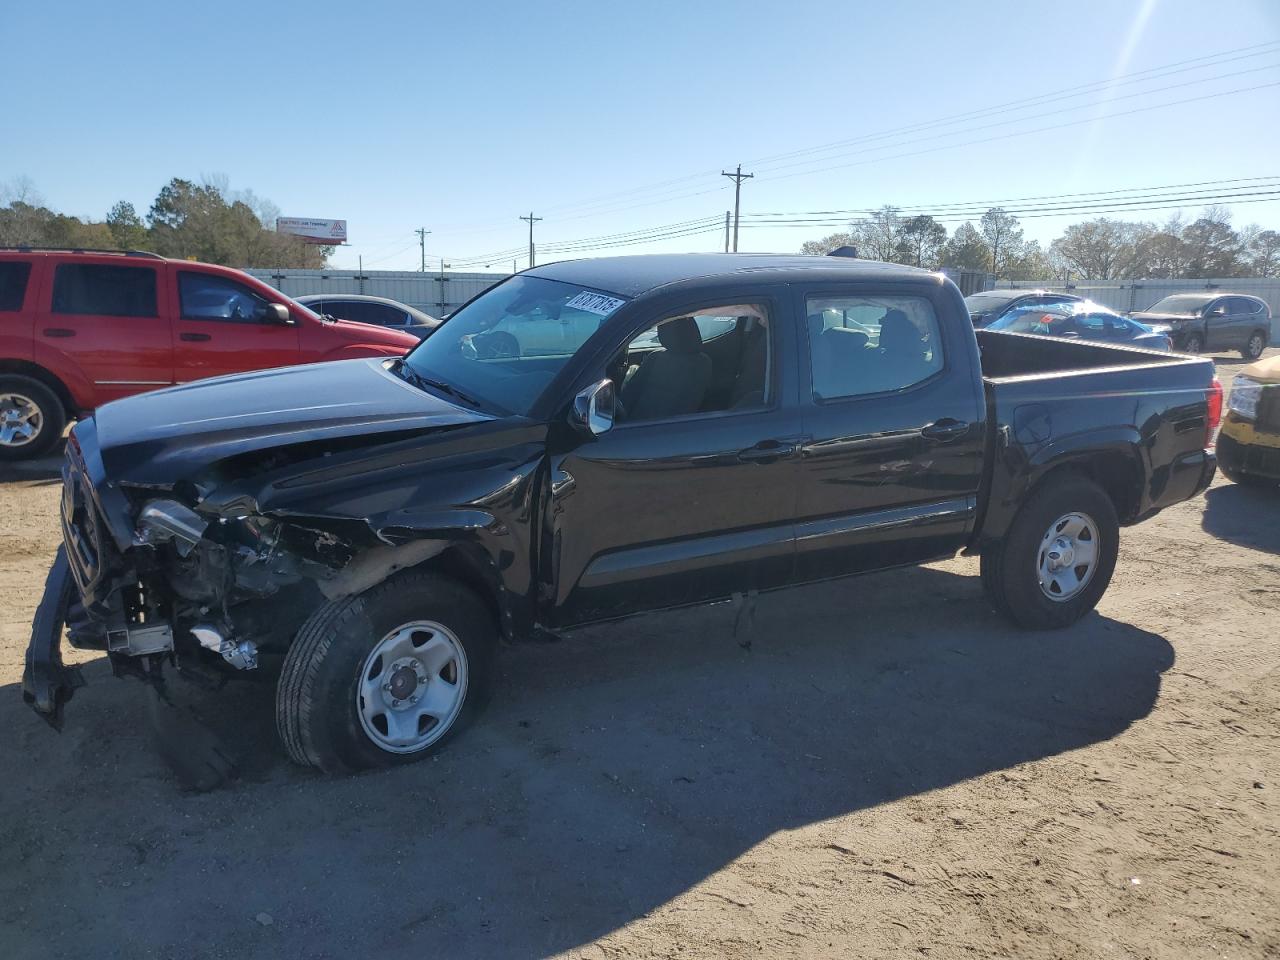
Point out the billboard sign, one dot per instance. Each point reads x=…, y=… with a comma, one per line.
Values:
x=309, y=230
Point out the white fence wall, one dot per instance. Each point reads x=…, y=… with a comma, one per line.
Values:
x=1126, y=295
x=434, y=293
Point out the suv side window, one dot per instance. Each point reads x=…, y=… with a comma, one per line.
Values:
x=208, y=297
x=13, y=284
x=871, y=344
x=104, y=290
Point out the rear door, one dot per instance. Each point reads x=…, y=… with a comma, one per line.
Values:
x=108, y=318
x=1243, y=320
x=222, y=327
x=1219, y=328
x=893, y=412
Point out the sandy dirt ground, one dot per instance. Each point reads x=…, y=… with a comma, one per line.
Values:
x=881, y=767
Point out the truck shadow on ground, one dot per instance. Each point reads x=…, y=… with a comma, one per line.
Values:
x=1245, y=516
x=612, y=772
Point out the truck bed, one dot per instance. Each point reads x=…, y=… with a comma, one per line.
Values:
x=1141, y=413
x=1010, y=355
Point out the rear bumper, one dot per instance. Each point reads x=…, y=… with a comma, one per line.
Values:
x=1240, y=457
x=47, y=683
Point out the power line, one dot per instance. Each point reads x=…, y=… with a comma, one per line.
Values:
x=1003, y=123
x=1206, y=61
x=1270, y=196
x=1262, y=49
x=996, y=203
x=1025, y=133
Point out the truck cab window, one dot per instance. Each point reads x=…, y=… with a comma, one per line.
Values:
x=705, y=361
x=871, y=344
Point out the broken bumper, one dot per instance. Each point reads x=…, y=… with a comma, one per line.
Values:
x=47, y=683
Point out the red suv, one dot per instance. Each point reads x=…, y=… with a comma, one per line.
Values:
x=80, y=328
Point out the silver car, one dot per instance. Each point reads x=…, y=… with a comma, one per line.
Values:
x=379, y=311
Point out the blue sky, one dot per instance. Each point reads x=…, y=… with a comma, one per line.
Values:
x=607, y=118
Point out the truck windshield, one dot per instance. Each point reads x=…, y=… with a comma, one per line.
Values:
x=501, y=350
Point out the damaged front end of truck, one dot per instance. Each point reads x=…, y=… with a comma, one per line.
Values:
x=210, y=565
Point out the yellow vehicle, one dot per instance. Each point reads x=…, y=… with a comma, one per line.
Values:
x=1249, y=444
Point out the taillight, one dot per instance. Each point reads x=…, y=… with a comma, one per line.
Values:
x=1213, y=416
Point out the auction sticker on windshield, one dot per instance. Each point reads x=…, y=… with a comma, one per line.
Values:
x=596, y=303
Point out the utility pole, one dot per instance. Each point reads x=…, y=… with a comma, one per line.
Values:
x=532, y=220
x=737, y=179
x=726, y=231
x=422, y=245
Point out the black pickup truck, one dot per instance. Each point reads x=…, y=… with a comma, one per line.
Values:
x=585, y=441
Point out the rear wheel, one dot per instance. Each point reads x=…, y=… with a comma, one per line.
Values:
x=1253, y=349
x=387, y=676
x=31, y=418
x=1056, y=561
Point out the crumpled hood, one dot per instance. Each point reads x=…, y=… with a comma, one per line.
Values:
x=164, y=436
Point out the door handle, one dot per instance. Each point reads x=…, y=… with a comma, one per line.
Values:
x=945, y=430
x=767, y=451
x=58, y=332
x=194, y=337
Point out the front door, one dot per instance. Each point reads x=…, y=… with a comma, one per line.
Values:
x=894, y=412
x=691, y=495
x=222, y=328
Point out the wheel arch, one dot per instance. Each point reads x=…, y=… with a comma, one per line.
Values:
x=25, y=368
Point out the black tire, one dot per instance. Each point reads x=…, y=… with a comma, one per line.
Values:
x=52, y=417
x=1257, y=343
x=316, y=712
x=1194, y=344
x=1010, y=568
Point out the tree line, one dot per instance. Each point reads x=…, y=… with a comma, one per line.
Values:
x=200, y=221
x=1099, y=249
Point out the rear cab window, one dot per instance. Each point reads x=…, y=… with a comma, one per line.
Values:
x=867, y=344
x=105, y=290
x=14, y=275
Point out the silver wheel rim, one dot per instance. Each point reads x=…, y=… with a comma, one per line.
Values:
x=412, y=687
x=20, y=420
x=1068, y=556
x=1255, y=345
x=1194, y=346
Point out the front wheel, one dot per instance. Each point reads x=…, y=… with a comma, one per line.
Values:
x=31, y=418
x=1056, y=561
x=1194, y=345
x=386, y=676
x=1253, y=349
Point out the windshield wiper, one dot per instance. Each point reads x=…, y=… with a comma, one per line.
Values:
x=412, y=376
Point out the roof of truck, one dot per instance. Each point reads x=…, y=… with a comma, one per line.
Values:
x=634, y=275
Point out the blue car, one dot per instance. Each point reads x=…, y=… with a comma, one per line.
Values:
x=1082, y=320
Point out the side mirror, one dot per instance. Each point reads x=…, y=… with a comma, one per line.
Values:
x=1218, y=312
x=276, y=313
x=594, y=409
